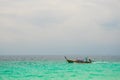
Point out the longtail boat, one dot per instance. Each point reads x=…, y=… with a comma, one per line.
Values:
x=77, y=61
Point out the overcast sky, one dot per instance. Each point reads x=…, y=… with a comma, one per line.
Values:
x=89, y=27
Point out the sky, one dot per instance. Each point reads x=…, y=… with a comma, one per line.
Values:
x=47, y=27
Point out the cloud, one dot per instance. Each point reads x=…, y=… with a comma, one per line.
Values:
x=59, y=23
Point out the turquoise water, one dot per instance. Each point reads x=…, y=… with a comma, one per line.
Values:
x=43, y=69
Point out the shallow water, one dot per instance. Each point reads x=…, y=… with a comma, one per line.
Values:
x=43, y=69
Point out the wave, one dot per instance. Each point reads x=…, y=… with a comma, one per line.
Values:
x=100, y=62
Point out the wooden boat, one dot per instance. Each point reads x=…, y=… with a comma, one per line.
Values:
x=77, y=61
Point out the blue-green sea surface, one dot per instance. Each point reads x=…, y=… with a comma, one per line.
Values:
x=41, y=69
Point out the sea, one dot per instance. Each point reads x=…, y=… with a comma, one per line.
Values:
x=55, y=67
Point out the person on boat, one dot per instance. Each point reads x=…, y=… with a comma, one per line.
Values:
x=86, y=59
x=90, y=60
